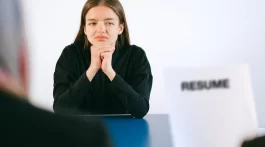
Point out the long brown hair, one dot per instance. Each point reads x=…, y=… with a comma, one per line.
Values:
x=115, y=5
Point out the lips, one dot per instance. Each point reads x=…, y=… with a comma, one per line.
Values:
x=101, y=37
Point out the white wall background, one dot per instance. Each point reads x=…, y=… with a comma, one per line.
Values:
x=172, y=32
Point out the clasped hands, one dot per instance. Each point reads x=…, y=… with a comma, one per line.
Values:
x=101, y=58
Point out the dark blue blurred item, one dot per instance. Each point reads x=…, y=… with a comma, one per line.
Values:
x=128, y=131
x=151, y=131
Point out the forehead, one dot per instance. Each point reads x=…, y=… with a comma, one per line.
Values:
x=101, y=13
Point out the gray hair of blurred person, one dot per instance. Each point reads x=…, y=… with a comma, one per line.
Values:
x=10, y=37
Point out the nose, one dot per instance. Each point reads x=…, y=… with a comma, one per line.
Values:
x=101, y=28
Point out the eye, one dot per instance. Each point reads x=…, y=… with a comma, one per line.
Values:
x=109, y=23
x=92, y=24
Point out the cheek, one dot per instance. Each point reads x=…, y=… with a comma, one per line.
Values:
x=114, y=34
x=90, y=33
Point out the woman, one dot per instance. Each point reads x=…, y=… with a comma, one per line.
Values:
x=101, y=73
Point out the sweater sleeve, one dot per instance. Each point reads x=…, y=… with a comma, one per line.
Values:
x=69, y=90
x=137, y=90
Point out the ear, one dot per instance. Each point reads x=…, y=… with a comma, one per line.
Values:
x=121, y=28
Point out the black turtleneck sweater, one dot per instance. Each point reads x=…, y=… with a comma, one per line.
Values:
x=127, y=93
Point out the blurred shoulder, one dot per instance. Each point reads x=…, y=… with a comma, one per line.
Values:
x=255, y=142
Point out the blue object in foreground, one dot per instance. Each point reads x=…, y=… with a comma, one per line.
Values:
x=128, y=131
x=151, y=131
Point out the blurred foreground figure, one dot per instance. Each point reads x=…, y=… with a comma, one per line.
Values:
x=22, y=124
x=256, y=142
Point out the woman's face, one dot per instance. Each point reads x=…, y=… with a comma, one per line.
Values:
x=102, y=26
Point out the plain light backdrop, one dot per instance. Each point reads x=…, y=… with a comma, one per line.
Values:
x=179, y=33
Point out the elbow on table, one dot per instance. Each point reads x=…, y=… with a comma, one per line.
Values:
x=57, y=108
x=140, y=113
x=60, y=108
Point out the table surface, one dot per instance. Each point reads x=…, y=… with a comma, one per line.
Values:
x=151, y=131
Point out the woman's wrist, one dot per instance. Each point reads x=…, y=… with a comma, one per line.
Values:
x=110, y=74
x=91, y=72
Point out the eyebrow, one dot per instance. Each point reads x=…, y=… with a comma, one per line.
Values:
x=92, y=19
